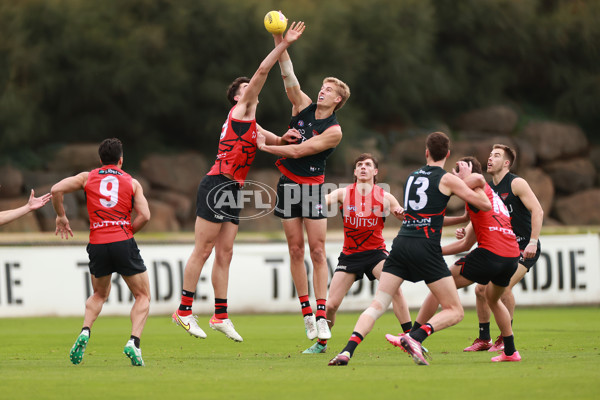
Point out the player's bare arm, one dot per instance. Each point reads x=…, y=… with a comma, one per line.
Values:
x=336, y=197
x=463, y=244
x=455, y=220
x=290, y=137
x=464, y=170
x=140, y=205
x=450, y=184
x=246, y=106
x=67, y=185
x=33, y=204
x=331, y=137
x=522, y=189
x=392, y=206
x=455, y=183
x=297, y=97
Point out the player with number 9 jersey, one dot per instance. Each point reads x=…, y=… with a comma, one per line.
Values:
x=109, y=198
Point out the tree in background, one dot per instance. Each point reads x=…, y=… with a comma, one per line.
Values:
x=154, y=72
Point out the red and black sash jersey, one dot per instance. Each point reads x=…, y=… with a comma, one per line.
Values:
x=237, y=148
x=309, y=169
x=109, y=198
x=520, y=215
x=363, y=220
x=424, y=204
x=492, y=228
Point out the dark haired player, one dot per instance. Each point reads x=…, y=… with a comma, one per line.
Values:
x=526, y=219
x=492, y=263
x=111, y=196
x=217, y=220
x=416, y=252
x=363, y=207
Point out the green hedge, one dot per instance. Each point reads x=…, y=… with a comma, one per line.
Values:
x=154, y=72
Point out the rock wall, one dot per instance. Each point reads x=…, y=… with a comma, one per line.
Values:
x=555, y=158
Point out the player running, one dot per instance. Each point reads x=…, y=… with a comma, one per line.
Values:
x=492, y=263
x=416, y=252
x=111, y=195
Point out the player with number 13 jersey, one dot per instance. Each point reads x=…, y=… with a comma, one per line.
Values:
x=425, y=205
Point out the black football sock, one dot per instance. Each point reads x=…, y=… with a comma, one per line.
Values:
x=509, y=345
x=484, y=331
x=416, y=326
x=136, y=341
x=406, y=327
x=353, y=342
x=422, y=333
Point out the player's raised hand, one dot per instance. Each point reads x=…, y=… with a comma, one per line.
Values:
x=463, y=169
x=294, y=32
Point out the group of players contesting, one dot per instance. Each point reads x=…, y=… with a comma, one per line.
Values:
x=503, y=217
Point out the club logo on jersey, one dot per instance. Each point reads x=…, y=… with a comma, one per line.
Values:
x=300, y=123
x=358, y=237
x=504, y=196
x=315, y=133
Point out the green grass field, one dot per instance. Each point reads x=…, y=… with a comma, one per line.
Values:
x=559, y=346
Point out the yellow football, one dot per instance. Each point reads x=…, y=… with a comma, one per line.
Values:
x=275, y=22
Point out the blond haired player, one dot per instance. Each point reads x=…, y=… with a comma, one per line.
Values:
x=300, y=199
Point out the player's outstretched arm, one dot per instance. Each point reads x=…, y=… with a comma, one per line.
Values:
x=290, y=137
x=33, y=204
x=246, y=106
x=297, y=97
x=336, y=197
x=392, y=205
x=331, y=137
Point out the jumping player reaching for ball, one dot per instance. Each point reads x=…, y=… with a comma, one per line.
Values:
x=300, y=199
x=217, y=221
